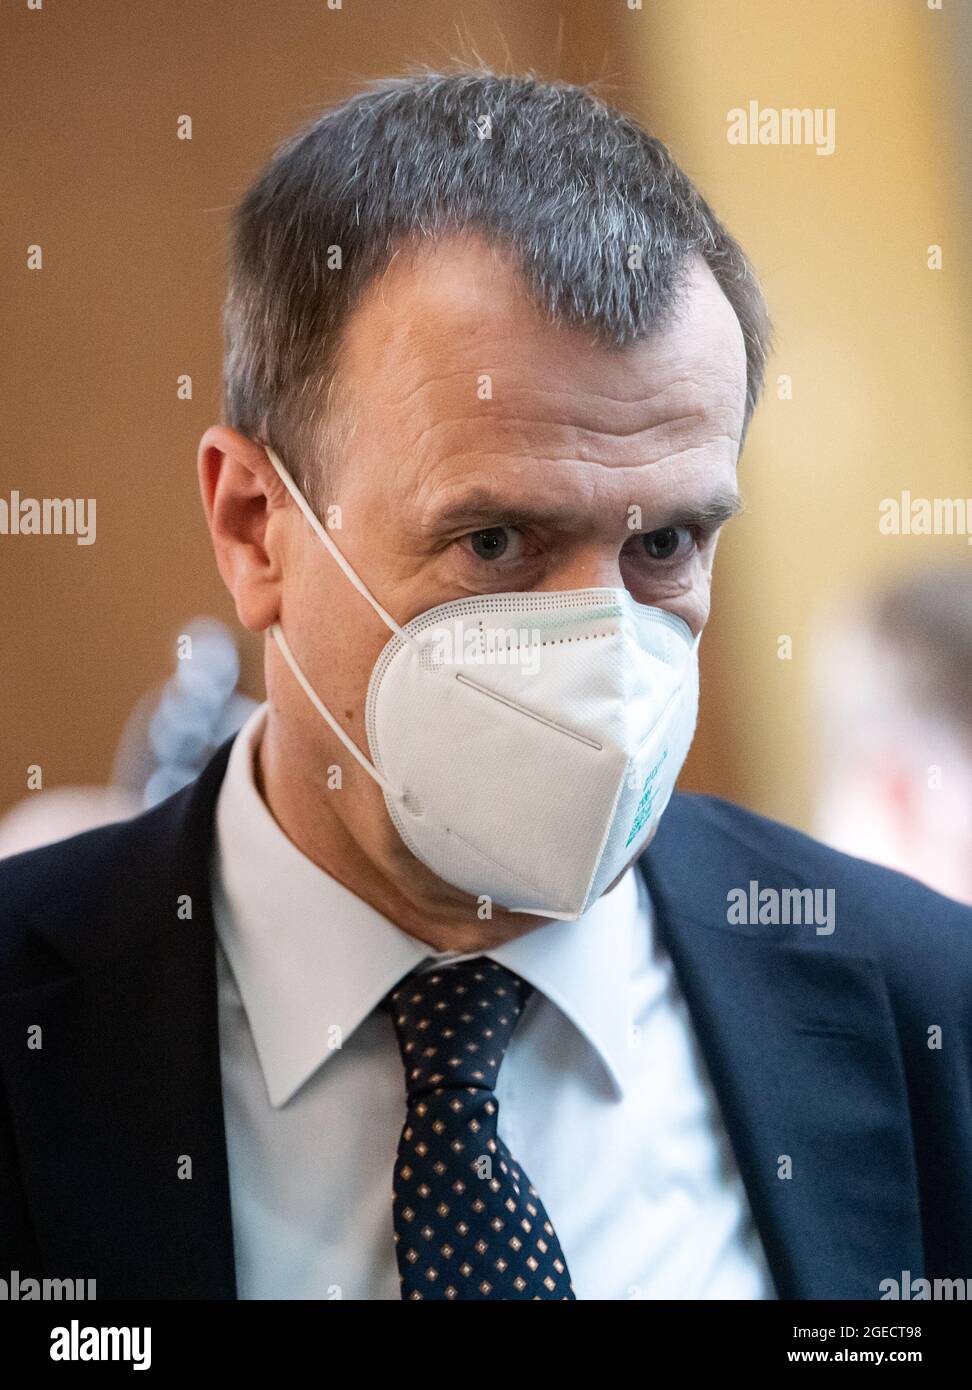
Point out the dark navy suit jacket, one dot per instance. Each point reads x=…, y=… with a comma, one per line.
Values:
x=817, y=1045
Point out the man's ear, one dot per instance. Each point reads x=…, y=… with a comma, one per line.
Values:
x=241, y=492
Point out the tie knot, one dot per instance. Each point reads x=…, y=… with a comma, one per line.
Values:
x=454, y=1023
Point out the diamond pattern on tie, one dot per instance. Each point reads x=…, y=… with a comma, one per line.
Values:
x=468, y=1222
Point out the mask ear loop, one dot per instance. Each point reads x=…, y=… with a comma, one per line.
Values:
x=325, y=713
x=322, y=535
x=277, y=632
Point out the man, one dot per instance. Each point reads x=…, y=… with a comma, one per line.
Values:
x=426, y=989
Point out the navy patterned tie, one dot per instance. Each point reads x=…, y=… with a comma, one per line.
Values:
x=468, y=1224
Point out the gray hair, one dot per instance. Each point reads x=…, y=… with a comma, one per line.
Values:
x=571, y=186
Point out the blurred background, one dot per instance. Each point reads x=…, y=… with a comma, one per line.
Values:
x=837, y=666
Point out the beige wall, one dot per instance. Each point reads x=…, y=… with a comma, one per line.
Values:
x=879, y=347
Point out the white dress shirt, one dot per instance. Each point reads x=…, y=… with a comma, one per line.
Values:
x=603, y=1094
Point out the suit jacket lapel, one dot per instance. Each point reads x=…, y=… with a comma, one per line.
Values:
x=800, y=1043
x=123, y=1101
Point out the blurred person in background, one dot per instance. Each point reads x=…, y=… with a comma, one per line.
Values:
x=175, y=729
x=167, y=740
x=893, y=684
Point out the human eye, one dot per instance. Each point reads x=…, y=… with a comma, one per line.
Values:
x=669, y=545
x=494, y=543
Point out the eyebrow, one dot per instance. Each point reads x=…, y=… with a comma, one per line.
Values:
x=483, y=507
x=710, y=513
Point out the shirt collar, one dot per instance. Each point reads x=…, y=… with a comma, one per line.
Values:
x=312, y=961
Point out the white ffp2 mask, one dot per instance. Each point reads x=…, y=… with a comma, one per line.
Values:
x=526, y=743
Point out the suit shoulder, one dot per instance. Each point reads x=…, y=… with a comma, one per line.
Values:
x=878, y=911
x=73, y=878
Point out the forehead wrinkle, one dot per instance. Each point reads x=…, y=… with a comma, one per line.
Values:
x=548, y=398
x=678, y=411
x=486, y=501
x=567, y=442
x=523, y=425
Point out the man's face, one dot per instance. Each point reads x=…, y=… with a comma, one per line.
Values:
x=492, y=452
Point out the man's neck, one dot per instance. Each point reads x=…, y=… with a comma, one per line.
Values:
x=307, y=815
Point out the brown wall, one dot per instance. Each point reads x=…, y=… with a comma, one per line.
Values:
x=131, y=222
